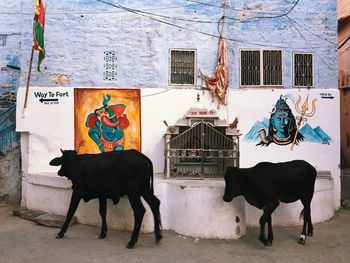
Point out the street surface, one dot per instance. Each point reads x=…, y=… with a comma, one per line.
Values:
x=23, y=241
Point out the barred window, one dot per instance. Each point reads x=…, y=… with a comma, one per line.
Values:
x=182, y=66
x=303, y=69
x=250, y=67
x=110, y=66
x=3, y=40
x=261, y=68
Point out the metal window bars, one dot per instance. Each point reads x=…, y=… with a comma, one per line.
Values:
x=303, y=70
x=261, y=68
x=182, y=68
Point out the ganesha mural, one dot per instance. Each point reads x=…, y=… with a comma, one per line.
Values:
x=107, y=120
x=107, y=124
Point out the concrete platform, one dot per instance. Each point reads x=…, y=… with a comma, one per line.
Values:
x=189, y=207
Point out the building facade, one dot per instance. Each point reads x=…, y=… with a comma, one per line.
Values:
x=277, y=56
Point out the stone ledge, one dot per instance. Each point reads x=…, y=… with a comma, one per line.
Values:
x=41, y=217
x=48, y=179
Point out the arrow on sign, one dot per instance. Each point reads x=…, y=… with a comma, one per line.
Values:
x=327, y=97
x=44, y=100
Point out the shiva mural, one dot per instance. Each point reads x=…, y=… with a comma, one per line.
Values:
x=107, y=120
x=283, y=128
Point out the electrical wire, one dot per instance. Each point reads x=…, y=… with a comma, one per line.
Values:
x=134, y=11
x=277, y=16
x=157, y=93
x=93, y=13
x=212, y=5
x=307, y=42
x=235, y=9
x=303, y=27
x=221, y=20
x=167, y=17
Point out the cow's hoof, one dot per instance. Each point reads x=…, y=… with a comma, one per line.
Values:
x=131, y=244
x=59, y=235
x=263, y=240
x=158, y=238
x=102, y=235
x=268, y=243
x=301, y=241
x=310, y=234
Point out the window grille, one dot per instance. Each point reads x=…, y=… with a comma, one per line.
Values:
x=261, y=68
x=3, y=39
x=182, y=66
x=110, y=66
x=303, y=70
x=272, y=60
x=250, y=67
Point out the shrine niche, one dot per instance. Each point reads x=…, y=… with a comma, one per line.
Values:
x=200, y=145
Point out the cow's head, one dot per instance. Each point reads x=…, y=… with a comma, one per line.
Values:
x=65, y=161
x=233, y=183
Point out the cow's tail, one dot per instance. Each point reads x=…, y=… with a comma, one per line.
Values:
x=152, y=177
x=301, y=216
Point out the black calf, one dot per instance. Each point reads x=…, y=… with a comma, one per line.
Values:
x=267, y=184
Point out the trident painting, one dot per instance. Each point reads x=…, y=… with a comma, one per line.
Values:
x=107, y=120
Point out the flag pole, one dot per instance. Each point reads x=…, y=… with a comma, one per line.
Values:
x=28, y=79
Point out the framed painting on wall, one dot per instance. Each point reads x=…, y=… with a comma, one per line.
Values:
x=107, y=119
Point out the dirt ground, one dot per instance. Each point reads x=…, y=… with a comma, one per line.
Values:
x=23, y=241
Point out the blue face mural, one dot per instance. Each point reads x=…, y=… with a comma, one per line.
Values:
x=283, y=128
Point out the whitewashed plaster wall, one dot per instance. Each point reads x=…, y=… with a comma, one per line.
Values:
x=51, y=126
x=48, y=127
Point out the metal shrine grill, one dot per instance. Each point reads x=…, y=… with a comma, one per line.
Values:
x=200, y=145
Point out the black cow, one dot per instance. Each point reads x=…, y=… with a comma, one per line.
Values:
x=110, y=175
x=266, y=184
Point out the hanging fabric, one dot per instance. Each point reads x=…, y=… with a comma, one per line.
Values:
x=218, y=84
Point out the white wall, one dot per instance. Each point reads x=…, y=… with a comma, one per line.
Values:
x=51, y=127
x=47, y=128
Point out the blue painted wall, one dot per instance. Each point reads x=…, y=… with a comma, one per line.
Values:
x=77, y=33
x=10, y=30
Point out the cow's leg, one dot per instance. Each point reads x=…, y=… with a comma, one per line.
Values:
x=139, y=211
x=269, y=230
x=310, y=228
x=266, y=218
x=74, y=202
x=103, y=212
x=154, y=204
x=307, y=221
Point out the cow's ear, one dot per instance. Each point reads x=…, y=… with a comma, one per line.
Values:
x=56, y=162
